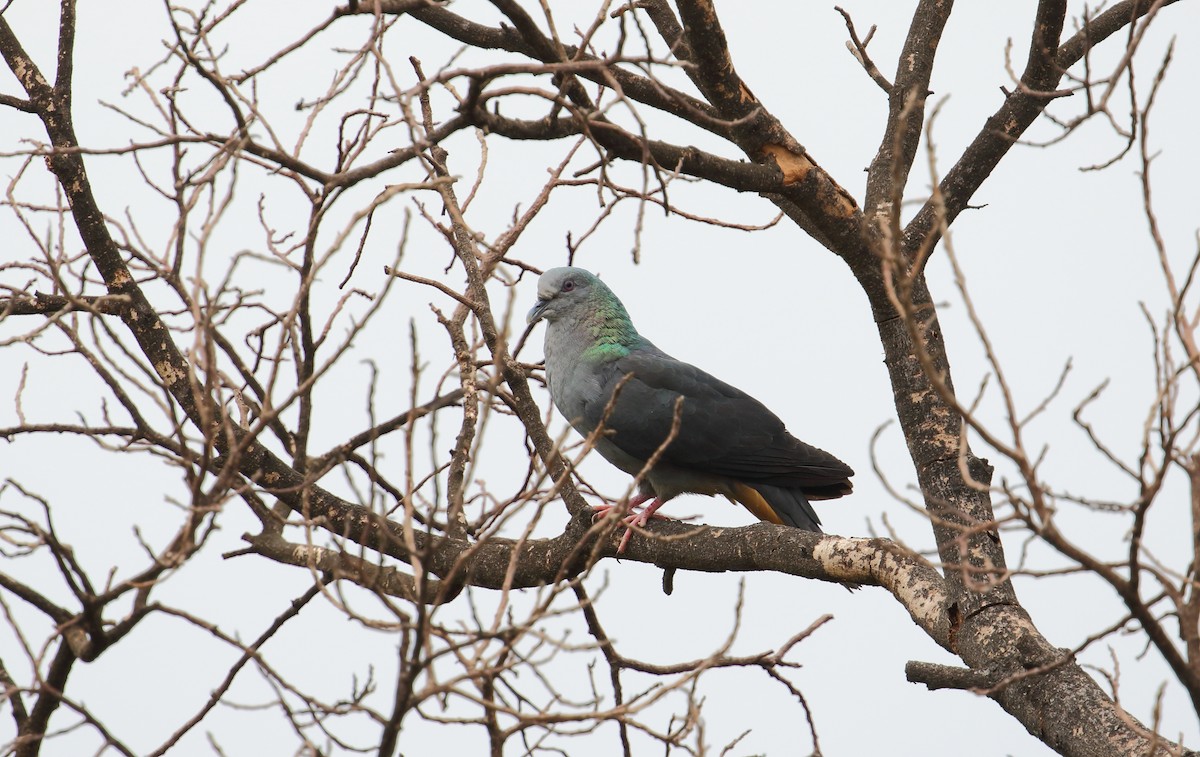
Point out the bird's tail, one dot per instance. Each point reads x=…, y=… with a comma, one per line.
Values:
x=775, y=504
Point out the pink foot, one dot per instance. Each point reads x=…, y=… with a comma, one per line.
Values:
x=602, y=510
x=634, y=519
x=599, y=511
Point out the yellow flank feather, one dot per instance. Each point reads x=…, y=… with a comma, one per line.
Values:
x=753, y=501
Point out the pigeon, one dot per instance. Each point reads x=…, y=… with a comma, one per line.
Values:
x=726, y=442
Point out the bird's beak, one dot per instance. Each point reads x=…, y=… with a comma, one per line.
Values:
x=536, y=312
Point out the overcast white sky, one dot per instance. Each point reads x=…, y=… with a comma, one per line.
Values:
x=1058, y=261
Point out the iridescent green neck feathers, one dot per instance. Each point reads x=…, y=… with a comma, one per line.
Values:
x=608, y=324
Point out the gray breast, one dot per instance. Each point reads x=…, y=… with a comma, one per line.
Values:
x=573, y=382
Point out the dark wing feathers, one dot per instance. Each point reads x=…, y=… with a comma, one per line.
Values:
x=722, y=430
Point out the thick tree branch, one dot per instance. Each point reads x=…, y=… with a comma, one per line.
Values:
x=49, y=697
x=888, y=174
x=618, y=143
x=47, y=304
x=142, y=319
x=756, y=131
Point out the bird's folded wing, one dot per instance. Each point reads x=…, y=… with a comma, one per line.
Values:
x=723, y=430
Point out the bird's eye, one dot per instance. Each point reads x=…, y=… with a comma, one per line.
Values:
x=568, y=286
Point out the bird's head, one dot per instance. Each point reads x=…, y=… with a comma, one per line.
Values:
x=565, y=290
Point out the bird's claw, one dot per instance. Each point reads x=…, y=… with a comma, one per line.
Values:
x=632, y=521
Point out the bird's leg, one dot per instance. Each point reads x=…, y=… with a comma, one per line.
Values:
x=602, y=510
x=639, y=520
x=634, y=518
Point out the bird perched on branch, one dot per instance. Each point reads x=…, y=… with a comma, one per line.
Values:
x=702, y=435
